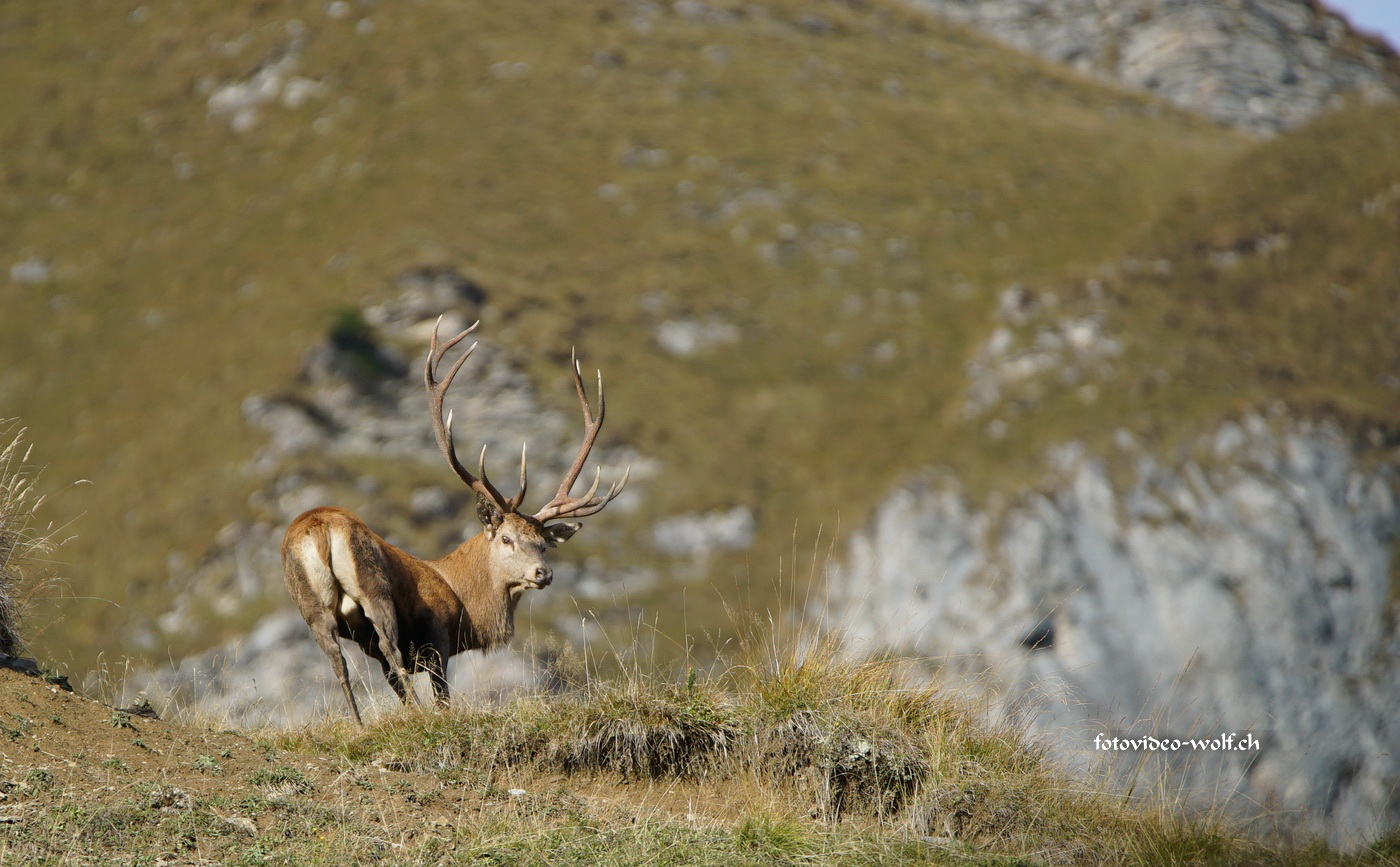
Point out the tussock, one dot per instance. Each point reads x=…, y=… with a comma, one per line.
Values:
x=642, y=730
x=845, y=762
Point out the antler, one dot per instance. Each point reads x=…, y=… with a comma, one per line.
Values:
x=443, y=429
x=519, y=497
x=564, y=506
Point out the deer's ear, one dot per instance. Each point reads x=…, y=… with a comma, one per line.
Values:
x=489, y=515
x=560, y=532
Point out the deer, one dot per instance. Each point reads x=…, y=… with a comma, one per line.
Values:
x=412, y=614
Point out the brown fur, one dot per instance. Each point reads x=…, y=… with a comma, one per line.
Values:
x=438, y=608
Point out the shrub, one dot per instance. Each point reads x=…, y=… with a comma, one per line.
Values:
x=354, y=342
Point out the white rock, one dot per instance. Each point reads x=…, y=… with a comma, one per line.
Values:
x=33, y=270
x=701, y=533
x=1252, y=596
x=684, y=338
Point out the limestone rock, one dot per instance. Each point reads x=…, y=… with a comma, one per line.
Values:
x=1248, y=588
x=698, y=534
x=1264, y=65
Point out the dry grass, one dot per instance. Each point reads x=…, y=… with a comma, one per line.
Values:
x=1285, y=283
x=1275, y=284
x=793, y=757
x=807, y=758
x=25, y=574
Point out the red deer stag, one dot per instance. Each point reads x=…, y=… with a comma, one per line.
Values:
x=414, y=615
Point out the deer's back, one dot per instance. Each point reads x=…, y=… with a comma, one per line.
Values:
x=334, y=557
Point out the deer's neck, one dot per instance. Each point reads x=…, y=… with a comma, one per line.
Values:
x=490, y=611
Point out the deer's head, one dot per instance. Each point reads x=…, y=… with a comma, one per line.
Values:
x=516, y=543
x=516, y=546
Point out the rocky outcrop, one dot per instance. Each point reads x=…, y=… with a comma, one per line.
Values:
x=1246, y=586
x=700, y=534
x=361, y=390
x=1264, y=65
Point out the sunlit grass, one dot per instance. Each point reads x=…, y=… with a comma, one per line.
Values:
x=807, y=757
x=26, y=542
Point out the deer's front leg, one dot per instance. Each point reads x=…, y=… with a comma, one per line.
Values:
x=434, y=661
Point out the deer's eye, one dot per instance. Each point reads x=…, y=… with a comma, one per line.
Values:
x=506, y=540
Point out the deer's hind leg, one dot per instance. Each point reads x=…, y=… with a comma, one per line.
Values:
x=363, y=564
x=403, y=688
x=321, y=620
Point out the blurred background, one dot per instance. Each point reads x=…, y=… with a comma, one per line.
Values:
x=1056, y=344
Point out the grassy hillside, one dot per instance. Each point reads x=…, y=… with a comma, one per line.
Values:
x=1273, y=281
x=848, y=184
x=1285, y=282
x=774, y=762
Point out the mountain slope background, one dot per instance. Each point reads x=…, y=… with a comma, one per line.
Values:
x=831, y=179
x=1176, y=579
x=887, y=243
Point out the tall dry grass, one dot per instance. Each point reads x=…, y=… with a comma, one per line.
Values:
x=790, y=741
x=25, y=572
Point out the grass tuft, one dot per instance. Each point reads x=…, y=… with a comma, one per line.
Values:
x=778, y=840
x=24, y=574
x=643, y=729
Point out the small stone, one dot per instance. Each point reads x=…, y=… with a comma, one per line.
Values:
x=697, y=534
x=685, y=338
x=31, y=271
x=243, y=824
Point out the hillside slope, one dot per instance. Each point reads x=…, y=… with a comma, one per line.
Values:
x=810, y=764
x=1285, y=277
x=191, y=190
x=1222, y=557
